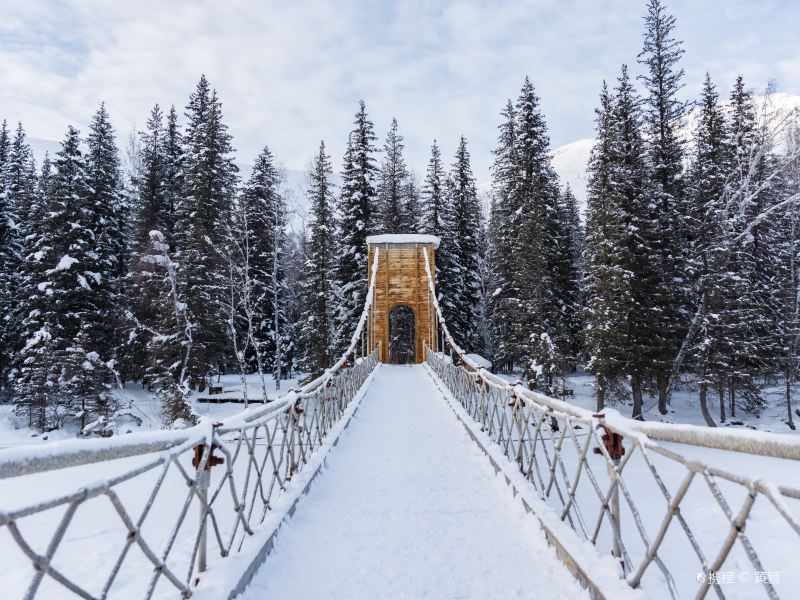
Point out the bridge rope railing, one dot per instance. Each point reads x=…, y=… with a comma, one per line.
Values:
x=231, y=472
x=662, y=499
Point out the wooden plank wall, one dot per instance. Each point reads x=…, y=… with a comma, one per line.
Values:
x=401, y=279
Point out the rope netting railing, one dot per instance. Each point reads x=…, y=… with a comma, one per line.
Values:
x=119, y=517
x=684, y=510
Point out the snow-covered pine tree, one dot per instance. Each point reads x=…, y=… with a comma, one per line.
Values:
x=662, y=119
x=292, y=302
x=58, y=282
x=603, y=311
x=790, y=282
x=203, y=215
x=151, y=211
x=536, y=319
x=708, y=271
x=5, y=148
x=318, y=291
x=82, y=381
x=504, y=224
x=19, y=177
x=355, y=222
x=461, y=278
x=392, y=200
x=751, y=318
x=484, y=344
x=635, y=239
x=412, y=203
x=436, y=219
x=109, y=226
x=433, y=195
x=173, y=172
x=266, y=238
x=569, y=240
x=170, y=345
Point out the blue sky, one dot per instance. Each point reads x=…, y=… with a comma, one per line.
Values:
x=291, y=73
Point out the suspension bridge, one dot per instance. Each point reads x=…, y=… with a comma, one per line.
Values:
x=408, y=469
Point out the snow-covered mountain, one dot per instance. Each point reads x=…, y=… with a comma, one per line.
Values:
x=570, y=162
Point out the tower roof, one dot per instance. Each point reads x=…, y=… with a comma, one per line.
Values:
x=403, y=238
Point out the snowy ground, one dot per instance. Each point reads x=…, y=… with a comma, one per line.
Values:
x=452, y=494
x=143, y=405
x=685, y=407
x=410, y=508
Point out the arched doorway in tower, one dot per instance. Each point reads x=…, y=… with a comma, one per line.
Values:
x=402, y=335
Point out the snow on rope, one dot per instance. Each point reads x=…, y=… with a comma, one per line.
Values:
x=683, y=509
x=145, y=540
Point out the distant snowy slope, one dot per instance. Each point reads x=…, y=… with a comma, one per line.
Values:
x=570, y=162
x=41, y=147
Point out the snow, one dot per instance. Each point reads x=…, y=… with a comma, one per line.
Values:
x=480, y=361
x=65, y=263
x=143, y=403
x=570, y=161
x=409, y=507
x=403, y=238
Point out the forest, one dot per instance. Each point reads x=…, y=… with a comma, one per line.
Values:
x=162, y=266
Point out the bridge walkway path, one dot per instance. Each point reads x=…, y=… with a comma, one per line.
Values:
x=408, y=507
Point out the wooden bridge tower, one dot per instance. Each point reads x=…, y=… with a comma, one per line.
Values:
x=402, y=319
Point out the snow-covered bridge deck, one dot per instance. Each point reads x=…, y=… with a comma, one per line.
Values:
x=409, y=507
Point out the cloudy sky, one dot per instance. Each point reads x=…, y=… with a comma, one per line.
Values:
x=290, y=73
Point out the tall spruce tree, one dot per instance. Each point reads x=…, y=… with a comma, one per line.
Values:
x=318, y=292
x=355, y=222
x=17, y=191
x=433, y=195
x=266, y=239
x=173, y=172
x=393, y=198
x=603, y=311
x=461, y=278
x=436, y=218
x=751, y=325
x=569, y=241
x=60, y=296
x=711, y=280
x=505, y=225
x=109, y=227
x=635, y=240
x=535, y=320
x=203, y=213
x=5, y=148
x=662, y=120
x=151, y=211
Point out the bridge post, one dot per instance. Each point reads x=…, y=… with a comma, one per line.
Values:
x=614, y=449
x=203, y=483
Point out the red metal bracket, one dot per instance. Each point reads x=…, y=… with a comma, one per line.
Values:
x=213, y=461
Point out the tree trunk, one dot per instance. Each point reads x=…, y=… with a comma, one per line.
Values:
x=600, y=397
x=790, y=420
x=721, y=390
x=732, y=395
x=704, y=404
x=663, y=393
x=636, y=392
